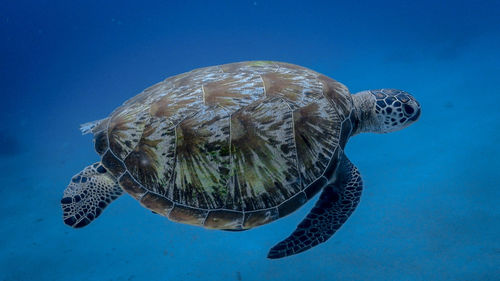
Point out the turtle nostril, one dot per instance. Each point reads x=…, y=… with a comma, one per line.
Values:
x=408, y=109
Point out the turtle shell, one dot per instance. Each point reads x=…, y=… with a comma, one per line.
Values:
x=231, y=146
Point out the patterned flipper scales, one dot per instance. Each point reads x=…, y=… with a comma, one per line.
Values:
x=336, y=203
x=88, y=193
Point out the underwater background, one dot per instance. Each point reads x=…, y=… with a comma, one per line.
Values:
x=430, y=208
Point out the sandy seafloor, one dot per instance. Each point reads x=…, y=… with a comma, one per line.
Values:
x=430, y=208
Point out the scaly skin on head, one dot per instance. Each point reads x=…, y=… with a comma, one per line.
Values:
x=87, y=194
x=384, y=111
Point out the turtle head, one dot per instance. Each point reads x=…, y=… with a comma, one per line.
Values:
x=384, y=110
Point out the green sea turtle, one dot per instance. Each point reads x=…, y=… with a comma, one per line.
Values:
x=236, y=146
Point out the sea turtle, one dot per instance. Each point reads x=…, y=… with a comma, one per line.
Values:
x=236, y=146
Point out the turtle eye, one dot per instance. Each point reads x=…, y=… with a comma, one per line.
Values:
x=408, y=109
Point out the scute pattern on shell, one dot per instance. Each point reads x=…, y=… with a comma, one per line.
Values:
x=244, y=137
x=152, y=161
x=203, y=160
x=263, y=155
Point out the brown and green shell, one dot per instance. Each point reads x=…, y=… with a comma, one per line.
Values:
x=231, y=146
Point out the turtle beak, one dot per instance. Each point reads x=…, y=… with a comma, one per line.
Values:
x=416, y=115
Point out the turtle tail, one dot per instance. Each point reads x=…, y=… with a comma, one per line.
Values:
x=91, y=127
x=88, y=193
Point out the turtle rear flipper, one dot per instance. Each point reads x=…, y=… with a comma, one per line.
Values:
x=88, y=193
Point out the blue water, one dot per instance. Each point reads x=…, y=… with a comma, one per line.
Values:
x=430, y=208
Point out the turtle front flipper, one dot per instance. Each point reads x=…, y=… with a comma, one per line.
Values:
x=88, y=193
x=336, y=203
